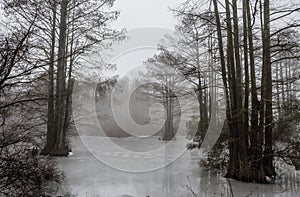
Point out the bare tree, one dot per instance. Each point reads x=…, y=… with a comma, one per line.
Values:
x=247, y=60
x=22, y=171
x=84, y=30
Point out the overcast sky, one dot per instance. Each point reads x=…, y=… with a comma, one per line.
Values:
x=145, y=13
x=154, y=13
x=138, y=14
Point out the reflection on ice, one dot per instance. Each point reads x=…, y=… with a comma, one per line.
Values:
x=87, y=176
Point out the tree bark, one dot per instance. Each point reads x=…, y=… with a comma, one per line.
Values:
x=268, y=154
x=233, y=167
x=50, y=123
x=70, y=85
x=242, y=133
x=60, y=144
x=254, y=100
x=246, y=67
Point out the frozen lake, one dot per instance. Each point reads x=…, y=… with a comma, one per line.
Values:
x=99, y=174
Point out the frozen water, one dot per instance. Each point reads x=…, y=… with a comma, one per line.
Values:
x=87, y=176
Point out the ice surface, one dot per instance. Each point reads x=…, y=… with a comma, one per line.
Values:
x=87, y=176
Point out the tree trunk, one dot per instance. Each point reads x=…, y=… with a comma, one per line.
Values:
x=254, y=100
x=246, y=67
x=168, y=135
x=260, y=136
x=70, y=85
x=268, y=154
x=50, y=123
x=242, y=133
x=233, y=167
x=60, y=146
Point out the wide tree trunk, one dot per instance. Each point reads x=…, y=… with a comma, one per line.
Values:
x=50, y=116
x=242, y=133
x=70, y=85
x=233, y=167
x=168, y=128
x=254, y=100
x=60, y=148
x=268, y=154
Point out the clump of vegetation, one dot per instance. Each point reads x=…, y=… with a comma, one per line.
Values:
x=217, y=160
x=24, y=173
x=287, y=133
